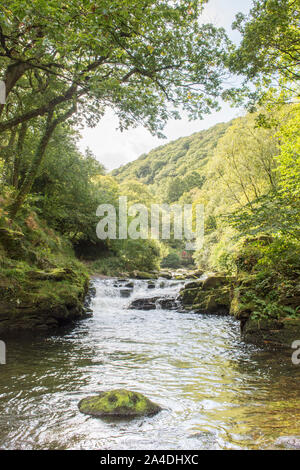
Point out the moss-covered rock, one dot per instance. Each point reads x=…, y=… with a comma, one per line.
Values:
x=143, y=275
x=187, y=296
x=165, y=274
x=211, y=295
x=118, y=403
x=215, y=281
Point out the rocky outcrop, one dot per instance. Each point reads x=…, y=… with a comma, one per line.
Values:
x=211, y=295
x=181, y=274
x=267, y=315
x=44, y=301
x=118, y=403
x=143, y=275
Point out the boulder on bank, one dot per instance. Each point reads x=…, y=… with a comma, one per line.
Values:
x=118, y=403
x=211, y=295
x=42, y=310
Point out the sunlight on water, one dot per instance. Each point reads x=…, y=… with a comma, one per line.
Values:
x=216, y=392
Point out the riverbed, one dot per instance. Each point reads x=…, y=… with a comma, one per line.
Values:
x=216, y=391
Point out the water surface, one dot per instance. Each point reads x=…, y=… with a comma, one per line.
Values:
x=216, y=391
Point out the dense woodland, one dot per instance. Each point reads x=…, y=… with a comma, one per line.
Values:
x=64, y=63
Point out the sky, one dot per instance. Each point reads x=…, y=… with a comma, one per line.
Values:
x=114, y=148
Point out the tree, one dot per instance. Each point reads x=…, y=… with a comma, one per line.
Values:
x=135, y=57
x=269, y=53
x=288, y=161
x=277, y=211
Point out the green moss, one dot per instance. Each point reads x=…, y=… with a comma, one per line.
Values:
x=41, y=282
x=118, y=403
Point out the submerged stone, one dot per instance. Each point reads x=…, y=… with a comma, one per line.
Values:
x=118, y=403
x=289, y=442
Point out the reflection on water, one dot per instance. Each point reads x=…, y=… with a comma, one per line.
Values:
x=216, y=392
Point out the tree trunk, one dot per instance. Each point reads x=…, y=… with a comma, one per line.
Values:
x=13, y=73
x=19, y=151
x=38, y=158
x=7, y=152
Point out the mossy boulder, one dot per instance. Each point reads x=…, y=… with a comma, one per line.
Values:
x=118, y=403
x=187, y=296
x=214, y=281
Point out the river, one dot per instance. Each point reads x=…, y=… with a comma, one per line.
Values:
x=216, y=391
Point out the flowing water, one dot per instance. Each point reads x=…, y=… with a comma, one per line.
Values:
x=216, y=392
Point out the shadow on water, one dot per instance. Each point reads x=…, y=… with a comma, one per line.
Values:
x=216, y=392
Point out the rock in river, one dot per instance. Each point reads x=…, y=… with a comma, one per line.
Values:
x=151, y=303
x=125, y=292
x=118, y=403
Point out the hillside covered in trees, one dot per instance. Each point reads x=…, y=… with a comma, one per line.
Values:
x=177, y=167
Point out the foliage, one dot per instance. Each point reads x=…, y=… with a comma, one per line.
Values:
x=277, y=211
x=269, y=53
x=175, y=168
x=133, y=55
x=172, y=260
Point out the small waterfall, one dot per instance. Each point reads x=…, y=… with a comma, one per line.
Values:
x=117, y=293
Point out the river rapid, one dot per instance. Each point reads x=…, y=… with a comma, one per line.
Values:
x=216, y=391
